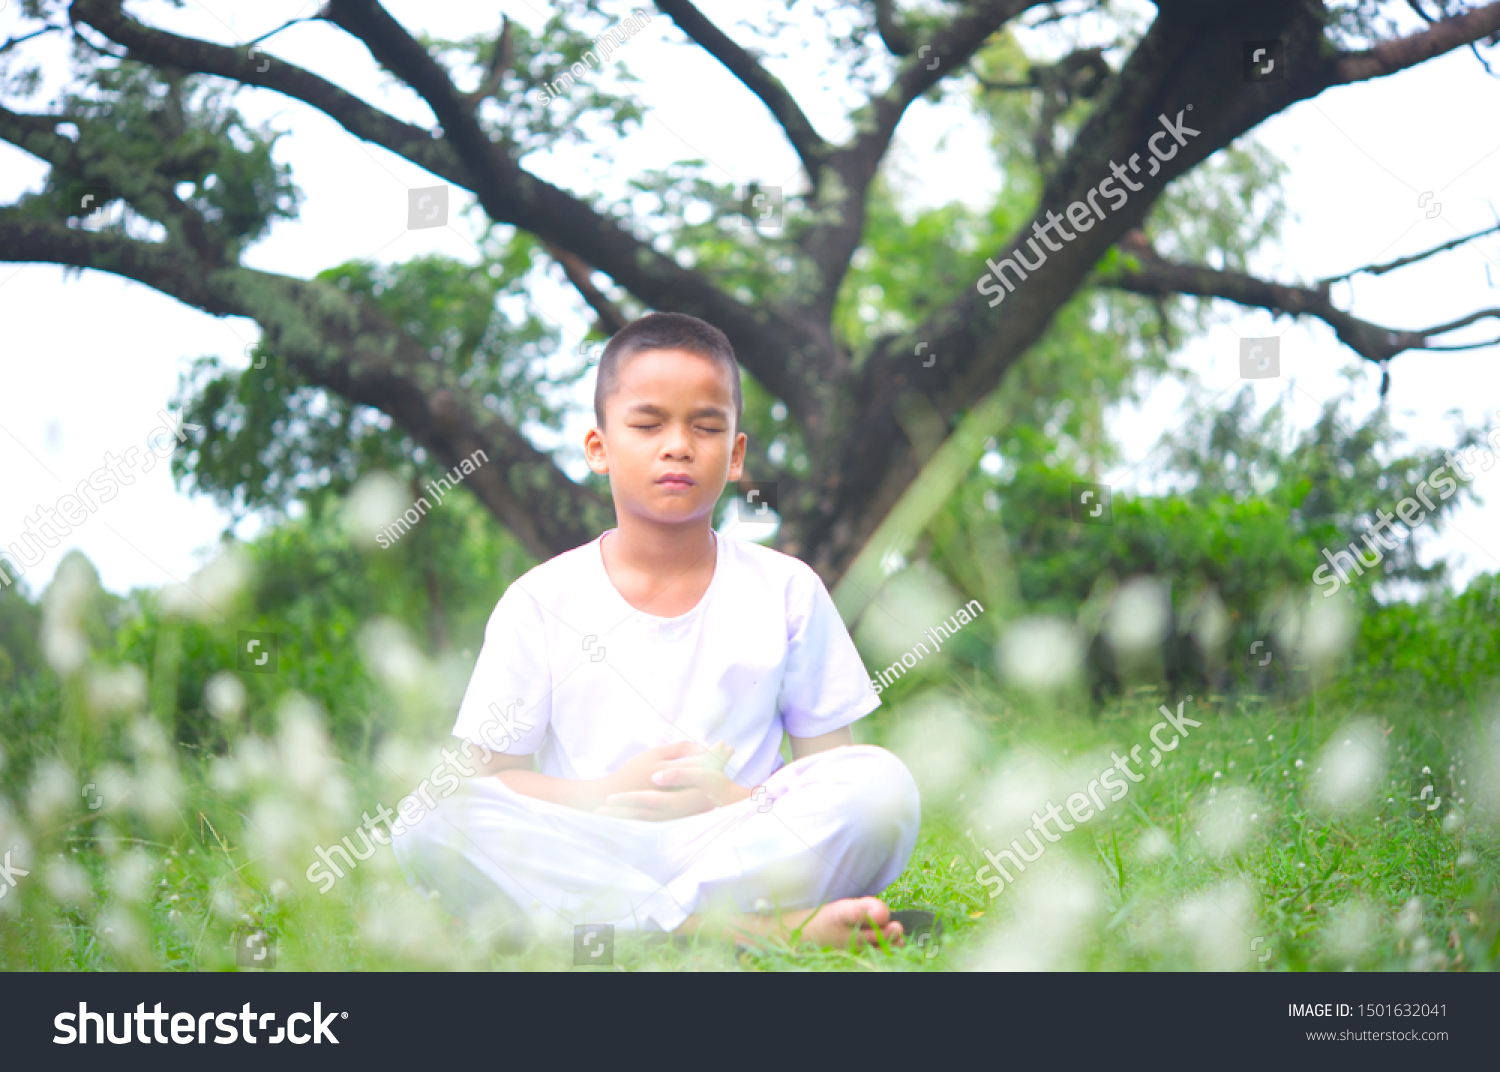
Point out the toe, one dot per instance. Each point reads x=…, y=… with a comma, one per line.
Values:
x=853, y=912
x=875, y=910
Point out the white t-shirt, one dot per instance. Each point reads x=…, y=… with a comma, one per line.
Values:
x=571, y=671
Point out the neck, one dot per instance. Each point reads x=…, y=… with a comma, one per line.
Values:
x=654, y=548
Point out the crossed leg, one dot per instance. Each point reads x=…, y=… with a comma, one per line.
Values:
x=804, y=857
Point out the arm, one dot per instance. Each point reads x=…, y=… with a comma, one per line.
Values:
x=808, y=746
x=587, y=794
x=686, y=784
x=517, y=772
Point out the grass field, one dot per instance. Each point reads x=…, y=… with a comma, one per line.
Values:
x=1275, y=836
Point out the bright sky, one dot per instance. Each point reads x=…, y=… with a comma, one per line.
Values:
x=90, y=360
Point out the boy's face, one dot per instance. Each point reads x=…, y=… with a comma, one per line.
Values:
x=669, y=443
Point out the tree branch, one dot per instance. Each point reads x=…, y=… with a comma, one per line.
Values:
x=1313, y=68
x=150, y=193
x=830, y=245
x=1402, y=262
x=286, y=25
x=897, y=38
x=578, y=274
x=509, y=194
x=12, y=42
x=1444, y=35
x=347, y=345
x=501, y=60
x=405, y=57
x=775, y=352
x=160, y=48
x=808, y=144
x=1149, y=273
x=1177, y=71
x=947, y=51
x=853, y=422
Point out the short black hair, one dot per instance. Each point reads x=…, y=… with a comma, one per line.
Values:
x=665, y=331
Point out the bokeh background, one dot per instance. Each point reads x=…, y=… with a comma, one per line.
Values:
x=1335, y=808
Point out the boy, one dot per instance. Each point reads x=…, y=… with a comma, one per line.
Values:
x=607, y=671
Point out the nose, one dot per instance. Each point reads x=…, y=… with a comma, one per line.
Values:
x=678, y=443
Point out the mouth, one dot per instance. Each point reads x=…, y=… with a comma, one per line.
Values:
x=676, y=480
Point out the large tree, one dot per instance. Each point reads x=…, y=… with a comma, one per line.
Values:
x=152, y=127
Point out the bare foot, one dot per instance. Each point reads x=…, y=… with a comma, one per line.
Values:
x=858, y=919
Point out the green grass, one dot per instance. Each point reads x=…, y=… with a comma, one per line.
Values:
x=1162, y=880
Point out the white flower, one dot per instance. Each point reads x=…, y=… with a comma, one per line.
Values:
x=54, y=790
x=1225, y=827
x=390, y=655
x=376, y=500
x=130, y=876
x=1352, y=765
x=224, y=695
x=1214, y=926
x=1040, y=653
x=1409, y=920
x=219, y=582
x=157, y=793
x=64, y=646
x=63, y=606
x=209, y=593
x=938, y=743
x=1057, y=908
x=1350, y=931
x=1154, y=844
x=120, y=688
x=1138, y=619
x=224, y=775
x=121, y=932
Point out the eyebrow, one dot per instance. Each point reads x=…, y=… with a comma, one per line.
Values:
x=647, y=409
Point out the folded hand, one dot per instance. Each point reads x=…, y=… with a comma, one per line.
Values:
x=689, y=785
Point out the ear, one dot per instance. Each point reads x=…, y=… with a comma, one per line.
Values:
x=737, y=457
x=594, y=452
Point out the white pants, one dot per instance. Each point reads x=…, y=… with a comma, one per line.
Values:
x=840, y=823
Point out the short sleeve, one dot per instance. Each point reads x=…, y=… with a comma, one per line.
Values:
x=824, y=685
x=508, y=703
